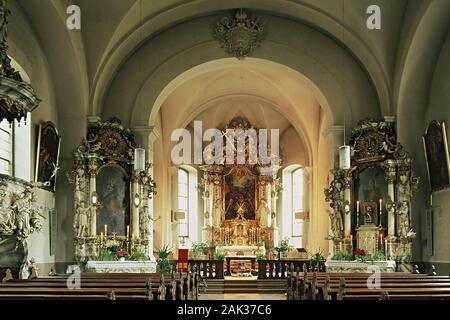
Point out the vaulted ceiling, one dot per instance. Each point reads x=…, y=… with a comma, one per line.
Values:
x=88, y=61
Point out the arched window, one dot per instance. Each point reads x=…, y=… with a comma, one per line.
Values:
x=187, y=203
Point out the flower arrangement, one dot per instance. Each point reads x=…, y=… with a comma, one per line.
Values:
x=220, y=256
x=122, y=254
x=360, y=255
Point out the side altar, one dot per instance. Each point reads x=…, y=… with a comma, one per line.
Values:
x=113, y=187
x=370, y=196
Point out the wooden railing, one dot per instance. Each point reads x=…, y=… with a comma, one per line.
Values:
x=277, y=269
x=206, y=269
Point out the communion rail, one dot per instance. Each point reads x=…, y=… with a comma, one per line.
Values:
x=277, y=269
x=206, y=269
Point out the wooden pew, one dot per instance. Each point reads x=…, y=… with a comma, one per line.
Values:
x=105, y=286
x=327, y=286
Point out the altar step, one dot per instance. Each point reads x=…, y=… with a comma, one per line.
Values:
x=240, y=286
x=246, y=286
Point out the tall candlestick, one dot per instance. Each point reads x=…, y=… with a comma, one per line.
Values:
x=381, y=210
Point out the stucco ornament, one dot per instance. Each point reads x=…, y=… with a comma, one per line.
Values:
x=240, y=35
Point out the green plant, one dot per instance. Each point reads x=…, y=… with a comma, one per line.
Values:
x=317, y=259
x=378, y=255
x=106, y=255
x=220, y=256
x=260, y=256
x=163, y=261
x=360, y=255
x=199, y=249
x=341, y=256
x=138, y=256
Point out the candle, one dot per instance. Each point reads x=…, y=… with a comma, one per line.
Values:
x=106, y=230
x=357, y=206
x=101, y=236
x=128, y=232
x=381, y=205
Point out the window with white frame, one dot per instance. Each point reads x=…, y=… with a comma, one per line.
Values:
x=183, y=201
x=187, y=199
x=15, y=141
x=297, y=205
x=293, y=204
x=6, y=147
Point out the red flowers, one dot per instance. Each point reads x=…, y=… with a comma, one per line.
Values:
x=122, y=253
x=359, y=252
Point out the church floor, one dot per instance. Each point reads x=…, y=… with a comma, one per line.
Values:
x=241, y=296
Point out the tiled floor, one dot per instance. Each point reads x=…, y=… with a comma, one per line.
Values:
x=241, y=296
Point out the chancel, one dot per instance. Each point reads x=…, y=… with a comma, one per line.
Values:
x=215, y=150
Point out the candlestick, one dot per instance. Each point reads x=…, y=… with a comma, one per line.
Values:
x=381, y=210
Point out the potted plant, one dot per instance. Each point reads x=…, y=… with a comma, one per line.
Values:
x=378, y=255
x=138, y=256
x=283, y=249
x=317, y=259
x=219, y=256
x=163, y=259
x=341, y=256
x=199, y=250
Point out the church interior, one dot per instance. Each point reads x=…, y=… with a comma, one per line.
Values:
x=209, y=149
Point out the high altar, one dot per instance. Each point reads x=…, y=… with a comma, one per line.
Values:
x=240, y=203
x=112, y=188
x=370, y=202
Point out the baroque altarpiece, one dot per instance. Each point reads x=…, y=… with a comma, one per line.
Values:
x=240, y=201
x=370, y=202
x=111, y=197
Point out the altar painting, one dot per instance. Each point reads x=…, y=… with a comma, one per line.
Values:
x=113, y=191
x=373, y=186
x=239, y=190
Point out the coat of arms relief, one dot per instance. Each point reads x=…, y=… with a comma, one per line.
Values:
x=239, y=35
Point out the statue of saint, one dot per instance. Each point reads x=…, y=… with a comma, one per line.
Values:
x=81, y=219
x=337, y=224
x=217, y=212
x=263, y=212
x=403, y=219
x=23, y=209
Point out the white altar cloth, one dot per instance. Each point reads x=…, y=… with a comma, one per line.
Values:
x=355, y=266
x=121, y=266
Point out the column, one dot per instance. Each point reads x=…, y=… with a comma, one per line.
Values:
x=145, y=137
x=92, y=170
x=204, y=187
x=390, y=179
x=276, y=187
x=347, y=211
x=336, y=135
x=135, y=210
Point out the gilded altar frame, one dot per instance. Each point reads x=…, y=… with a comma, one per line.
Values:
x=109, y=146
x=374, y=148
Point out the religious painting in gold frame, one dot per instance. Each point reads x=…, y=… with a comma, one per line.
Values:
x=437, y=157
x=47, y=154
x=113, y=188
x=240, y=193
